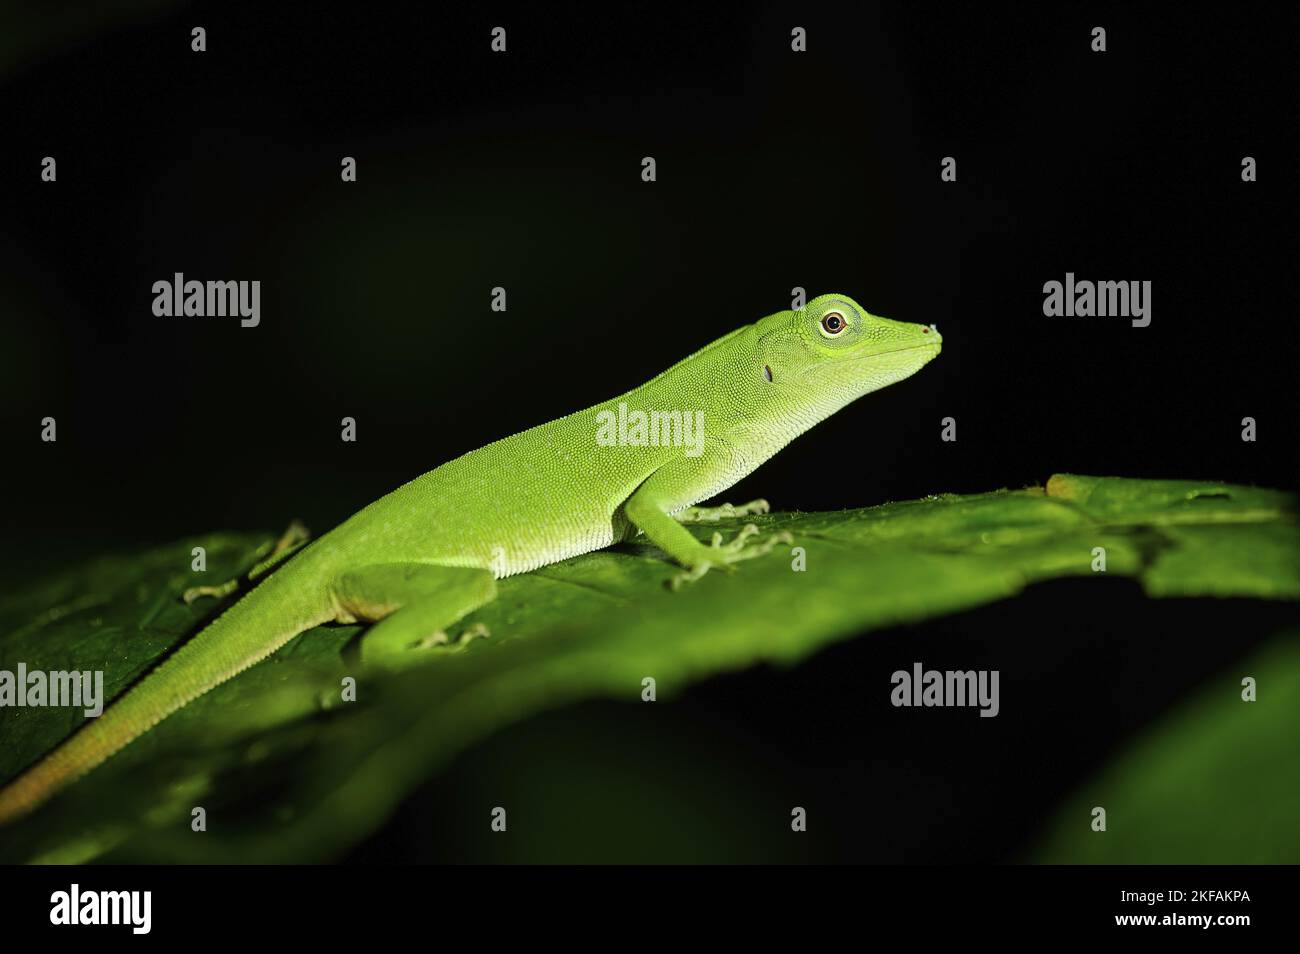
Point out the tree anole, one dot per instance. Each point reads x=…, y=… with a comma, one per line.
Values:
x=421, y=558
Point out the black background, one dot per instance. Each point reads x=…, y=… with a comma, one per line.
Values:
x=775, y=170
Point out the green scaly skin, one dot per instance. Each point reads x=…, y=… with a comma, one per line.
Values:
x=419, y=559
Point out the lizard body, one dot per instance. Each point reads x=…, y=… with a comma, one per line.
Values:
x=422, y=557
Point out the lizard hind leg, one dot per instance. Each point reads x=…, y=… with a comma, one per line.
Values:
x=411, y=604
x=290, y=542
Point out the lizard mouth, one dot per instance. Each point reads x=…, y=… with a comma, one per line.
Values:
x=933, y=347
x=932, y=340
x=936, y=345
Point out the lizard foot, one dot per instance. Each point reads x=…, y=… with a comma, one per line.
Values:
x=722, y=512
x=268, y=555
x=197, y=592
x=295, y=535
x=440, y=639
x=724, y=556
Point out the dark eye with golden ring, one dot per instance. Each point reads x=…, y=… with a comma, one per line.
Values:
x=833, y=323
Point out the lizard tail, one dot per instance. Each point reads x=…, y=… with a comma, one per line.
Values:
x=263, y=621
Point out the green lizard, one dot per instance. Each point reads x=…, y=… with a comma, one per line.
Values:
x=419, y=559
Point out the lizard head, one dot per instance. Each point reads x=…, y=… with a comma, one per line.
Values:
x=833, y=351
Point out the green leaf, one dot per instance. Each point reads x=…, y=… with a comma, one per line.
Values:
x=291, y=773
x=1215, y=782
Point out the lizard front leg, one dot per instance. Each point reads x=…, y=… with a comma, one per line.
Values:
x=649, y=510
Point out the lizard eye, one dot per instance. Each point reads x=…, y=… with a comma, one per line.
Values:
x=833, y=323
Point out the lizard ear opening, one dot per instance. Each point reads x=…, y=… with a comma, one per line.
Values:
x=767, y=372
